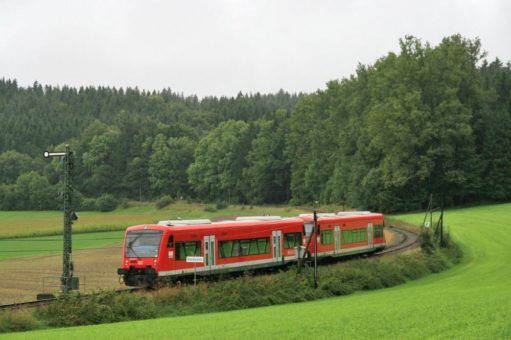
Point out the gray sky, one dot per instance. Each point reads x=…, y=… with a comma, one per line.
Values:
x=223, y=47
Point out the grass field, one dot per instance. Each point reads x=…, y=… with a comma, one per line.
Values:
x=472, y=300
x=45, y=223
x=30, y=246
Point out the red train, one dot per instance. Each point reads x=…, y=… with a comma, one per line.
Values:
x=159, y=252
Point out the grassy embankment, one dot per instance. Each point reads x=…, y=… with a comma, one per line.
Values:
x=471, y=300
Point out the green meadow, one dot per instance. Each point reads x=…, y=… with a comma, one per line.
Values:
x=29, y=246
x=470, y=301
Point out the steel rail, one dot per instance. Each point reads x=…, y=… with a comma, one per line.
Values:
x=410, y=240
x=42, y=302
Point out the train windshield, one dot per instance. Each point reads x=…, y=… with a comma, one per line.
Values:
x=143, y=243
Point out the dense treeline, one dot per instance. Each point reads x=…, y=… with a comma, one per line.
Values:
x=430, y=119
x=128, y=143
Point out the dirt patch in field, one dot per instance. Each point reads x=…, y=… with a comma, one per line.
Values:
x=23, y=278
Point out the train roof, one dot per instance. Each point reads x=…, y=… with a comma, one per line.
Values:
x=247, y=221
x=347, y=216
x=341, y=213
x=205, y=224
x=184, y=222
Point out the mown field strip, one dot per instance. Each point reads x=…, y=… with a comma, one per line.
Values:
x=36, y=246
x=472, y=300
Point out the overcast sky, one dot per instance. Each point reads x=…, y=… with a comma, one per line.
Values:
x=223, y=47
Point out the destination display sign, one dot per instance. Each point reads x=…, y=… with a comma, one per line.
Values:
x=195, y=259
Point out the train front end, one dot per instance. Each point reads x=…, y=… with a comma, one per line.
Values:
x=141, y=248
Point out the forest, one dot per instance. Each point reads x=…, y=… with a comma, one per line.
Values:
x=427, y=120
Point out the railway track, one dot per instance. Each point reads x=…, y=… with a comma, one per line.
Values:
x=42, y=302
x=410, y=240
x=26, y=304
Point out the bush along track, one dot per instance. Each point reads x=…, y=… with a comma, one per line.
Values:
x=245, y=291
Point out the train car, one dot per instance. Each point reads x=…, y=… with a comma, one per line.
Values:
x=348, y=233
x=158, y=252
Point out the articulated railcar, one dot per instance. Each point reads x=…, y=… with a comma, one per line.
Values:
x=158, y=252
x=348, y=233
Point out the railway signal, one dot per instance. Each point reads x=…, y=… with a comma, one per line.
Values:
x=67, y=281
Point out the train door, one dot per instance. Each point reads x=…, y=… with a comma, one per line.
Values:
x=370, y=235
x=337, y=239
x=209, y=252
x=277, y=245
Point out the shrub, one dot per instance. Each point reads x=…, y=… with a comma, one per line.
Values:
x=221, y=205
x=106, y=202
x=386, y=273
x=209, y=208
x=103, y=307
x=88, y=204
x=436, y=263
x=18, y=320
x=336, y=286
x=453, y=251
x=412, y=266
x=426, y=241
x=124, y=203
x=163, y=201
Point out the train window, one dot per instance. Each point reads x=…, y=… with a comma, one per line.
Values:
x=184, y=249
x=170, y=242
x=378, y=230
x=225, y=247
x=263, y=244
x=292, y=240
x=354, y=236
x=252, y=246
x=346, y=237
x=327, y=237
x=244, y=245
x=143, y=243
x=253, y=249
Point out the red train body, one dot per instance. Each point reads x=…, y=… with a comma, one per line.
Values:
x=159, y=252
